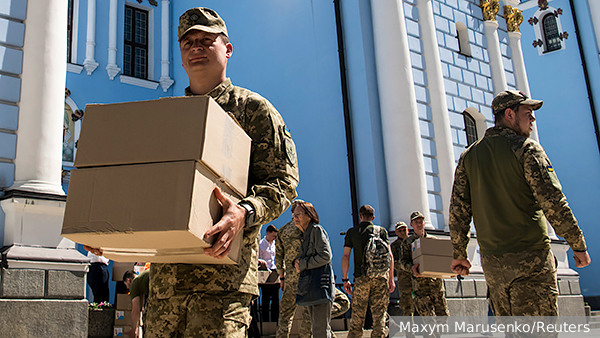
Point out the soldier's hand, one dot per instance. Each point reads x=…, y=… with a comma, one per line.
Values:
x=460, y=266
x=392, y=285
x=348, y=287
x=231, y=223
x=282, y=282
x=582, y=259
x=95, y=251
x=415, y=270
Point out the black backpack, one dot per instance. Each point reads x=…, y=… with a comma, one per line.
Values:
x=376, y=257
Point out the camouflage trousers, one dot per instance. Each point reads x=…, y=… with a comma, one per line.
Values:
x=287, y=310
x=377, y=291
x=430, y=302
x=406, y=302
x=521, y=284
x=199, y=315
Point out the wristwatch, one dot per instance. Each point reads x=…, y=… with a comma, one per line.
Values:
x=249, y=213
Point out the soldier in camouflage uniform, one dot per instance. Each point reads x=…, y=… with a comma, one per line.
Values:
x=287, y=248
x=506, y=183
x=429, y=292
x=198, y=300
x=373, y=290
x=404, y=277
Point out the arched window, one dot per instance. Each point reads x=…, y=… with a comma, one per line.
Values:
x=552, y=37
x=462, y=34
x=470, y=128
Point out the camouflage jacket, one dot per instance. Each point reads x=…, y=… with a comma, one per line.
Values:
x=404, y=277
x=287, y=248
x=506, y=183
x=272, y=181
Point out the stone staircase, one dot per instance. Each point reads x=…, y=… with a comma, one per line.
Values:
x=595, y=320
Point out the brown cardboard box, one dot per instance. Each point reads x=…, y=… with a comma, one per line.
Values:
x=157, y=212
x=432, y=246
x=169, y=129
x=122, y=317
x=123, y=301
x=119, y=269
x=434, y=266
x=268, y=328
x=120, y=331
x=339, y=324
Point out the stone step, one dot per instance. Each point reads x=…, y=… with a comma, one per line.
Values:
x=595, y=313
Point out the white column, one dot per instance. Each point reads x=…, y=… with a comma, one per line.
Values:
x=521, y=71
x=439, y=107
x=111, y=68
x=38, y=161
x=498, y=75
x=90, y=63
x=165, y=80
x=405, y=168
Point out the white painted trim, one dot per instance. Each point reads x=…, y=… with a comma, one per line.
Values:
x=151, y=13
x=111, y=68
x=69, y=101
x=480, y=122
x=439, y=107
x=90, y=63
x=529, y=4
x=138, y=82
x=539, y=32
x=165, y=80
x=407, y=185
x=462, y=33
x=498, y=75
x=22, y=264
x=73, y=68
x=75, y=32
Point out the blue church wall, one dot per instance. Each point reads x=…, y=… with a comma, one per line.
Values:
x=565, y=124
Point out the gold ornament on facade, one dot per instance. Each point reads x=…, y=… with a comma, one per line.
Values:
x=490, y=9
x=513, y=17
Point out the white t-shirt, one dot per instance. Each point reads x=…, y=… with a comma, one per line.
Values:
x=266, y=252
x=97, y=259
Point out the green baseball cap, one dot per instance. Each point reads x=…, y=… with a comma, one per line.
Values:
x=415, y=215
x=202, y=19
x=510, y=98
x=400, y=225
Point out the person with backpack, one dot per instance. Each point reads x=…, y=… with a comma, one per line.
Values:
x=429, y=292
x=373, y=273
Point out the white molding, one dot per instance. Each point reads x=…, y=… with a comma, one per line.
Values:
x=498, y=74
x=89, y=63
x=539, y=33
x=74, y=32
x=138, y=82
x=111, y=68
x=73, y=68
x=165, y=80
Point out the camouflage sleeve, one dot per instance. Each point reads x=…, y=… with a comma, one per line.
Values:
x=406, y=261
x=395, y=247
x=548, y=192
x=273, y=174
x=280, y=252
x=460, y=212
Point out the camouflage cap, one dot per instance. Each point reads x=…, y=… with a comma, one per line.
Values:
x=415, y=215
x=400, y=225
x=202, y=19
x=510, y=98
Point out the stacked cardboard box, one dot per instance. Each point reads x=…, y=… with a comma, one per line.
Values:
x=146, y=171
x=434, y=256
x=122, y=315
x=121, y=331
x=119, y=269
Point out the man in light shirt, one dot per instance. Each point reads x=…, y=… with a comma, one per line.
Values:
x=97, y=277
x=266, y=260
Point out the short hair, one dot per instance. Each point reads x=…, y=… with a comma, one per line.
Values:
x=224, y=37
x=501, y=114
x=367, y=211
x=271, y=228
x=129, y=274
x=295, y=204
x=310, y=211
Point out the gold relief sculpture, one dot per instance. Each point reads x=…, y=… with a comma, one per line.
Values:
x=513, y=17
x=490, y=9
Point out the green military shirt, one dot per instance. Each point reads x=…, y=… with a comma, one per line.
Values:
x=357, y=237
x=404, y=277
x=507, y=184
x=272, y=181
x=140, y=285
x=287, y=248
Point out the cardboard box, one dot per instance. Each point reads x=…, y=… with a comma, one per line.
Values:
x=268, y=277
x=339, y=324
x=434, y=266
x=268, y=328
x=122, y=317
x=123, y=301
x=168, y=129
x=432, y=246
x=119, y=269
x=120, y=331
x=156, y=212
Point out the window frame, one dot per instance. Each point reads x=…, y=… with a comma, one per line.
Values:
x=540, y=35
x=133, y=44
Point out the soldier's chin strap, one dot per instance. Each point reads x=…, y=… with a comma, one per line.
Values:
x=459, y=278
